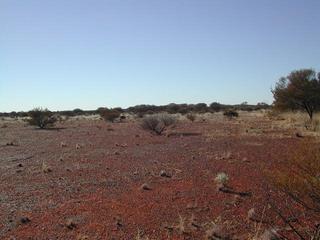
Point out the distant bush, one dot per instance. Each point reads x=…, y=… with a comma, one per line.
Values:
x=42, y=118
x=157, y=122
x=191, y=116
x=231, y=113
x=200, y=108
x=109, y=114
x=215, y=106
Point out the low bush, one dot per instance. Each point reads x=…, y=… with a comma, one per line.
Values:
x=231, y=113
x=157, y=123
x=191, y=116
x=299, y=179
x=109, y=115
x=42, y=118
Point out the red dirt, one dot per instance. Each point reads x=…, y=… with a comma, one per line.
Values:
x=97, y=187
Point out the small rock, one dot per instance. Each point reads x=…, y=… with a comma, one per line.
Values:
x=82, y=237
x=46, y=168
x=78, y=146
x=299, y=135
x=145, y=186
x=63, y=144
x=20, y=165
x=270, y=234
x=116, y=153
x=218, y=231
x=164, y=174
x=70, y=224
x=251, y=214
x=24, y=220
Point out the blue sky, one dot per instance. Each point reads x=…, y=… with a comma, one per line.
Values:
x=67, y=54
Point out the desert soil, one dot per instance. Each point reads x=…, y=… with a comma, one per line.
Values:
x=83, y=180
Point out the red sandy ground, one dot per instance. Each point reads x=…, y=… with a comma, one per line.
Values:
x=97, y=187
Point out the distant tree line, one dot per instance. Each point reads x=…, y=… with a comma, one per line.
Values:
x=143, y=109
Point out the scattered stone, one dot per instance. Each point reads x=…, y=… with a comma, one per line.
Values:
x=269, y=234
x=145, y=186
x=217, y=231
x=82, y=237
x=24, y=220
x=46, y=168
x=63, y=144
x=78, y=146
x=70, y=224
x=163, y=173
x=245, y=160
x=181, y=225
x=135, y=173
x=251, y=214
x=10, y=144
x=118, y=222
x=20, y=165
x=299, y=135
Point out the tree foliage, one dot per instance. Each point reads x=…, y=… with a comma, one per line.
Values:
x=299, y=90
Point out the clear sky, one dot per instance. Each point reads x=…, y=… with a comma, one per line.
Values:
x=66, y=54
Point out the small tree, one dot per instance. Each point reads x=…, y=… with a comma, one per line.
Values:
x=300, y=89
x=42, y=118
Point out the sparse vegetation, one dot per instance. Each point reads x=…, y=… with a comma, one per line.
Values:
x=231, y=114
x=191, y=116
x=109, y=115
x=299, y=180
x=222, y=178
x=42, y=118
x=157, y=123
